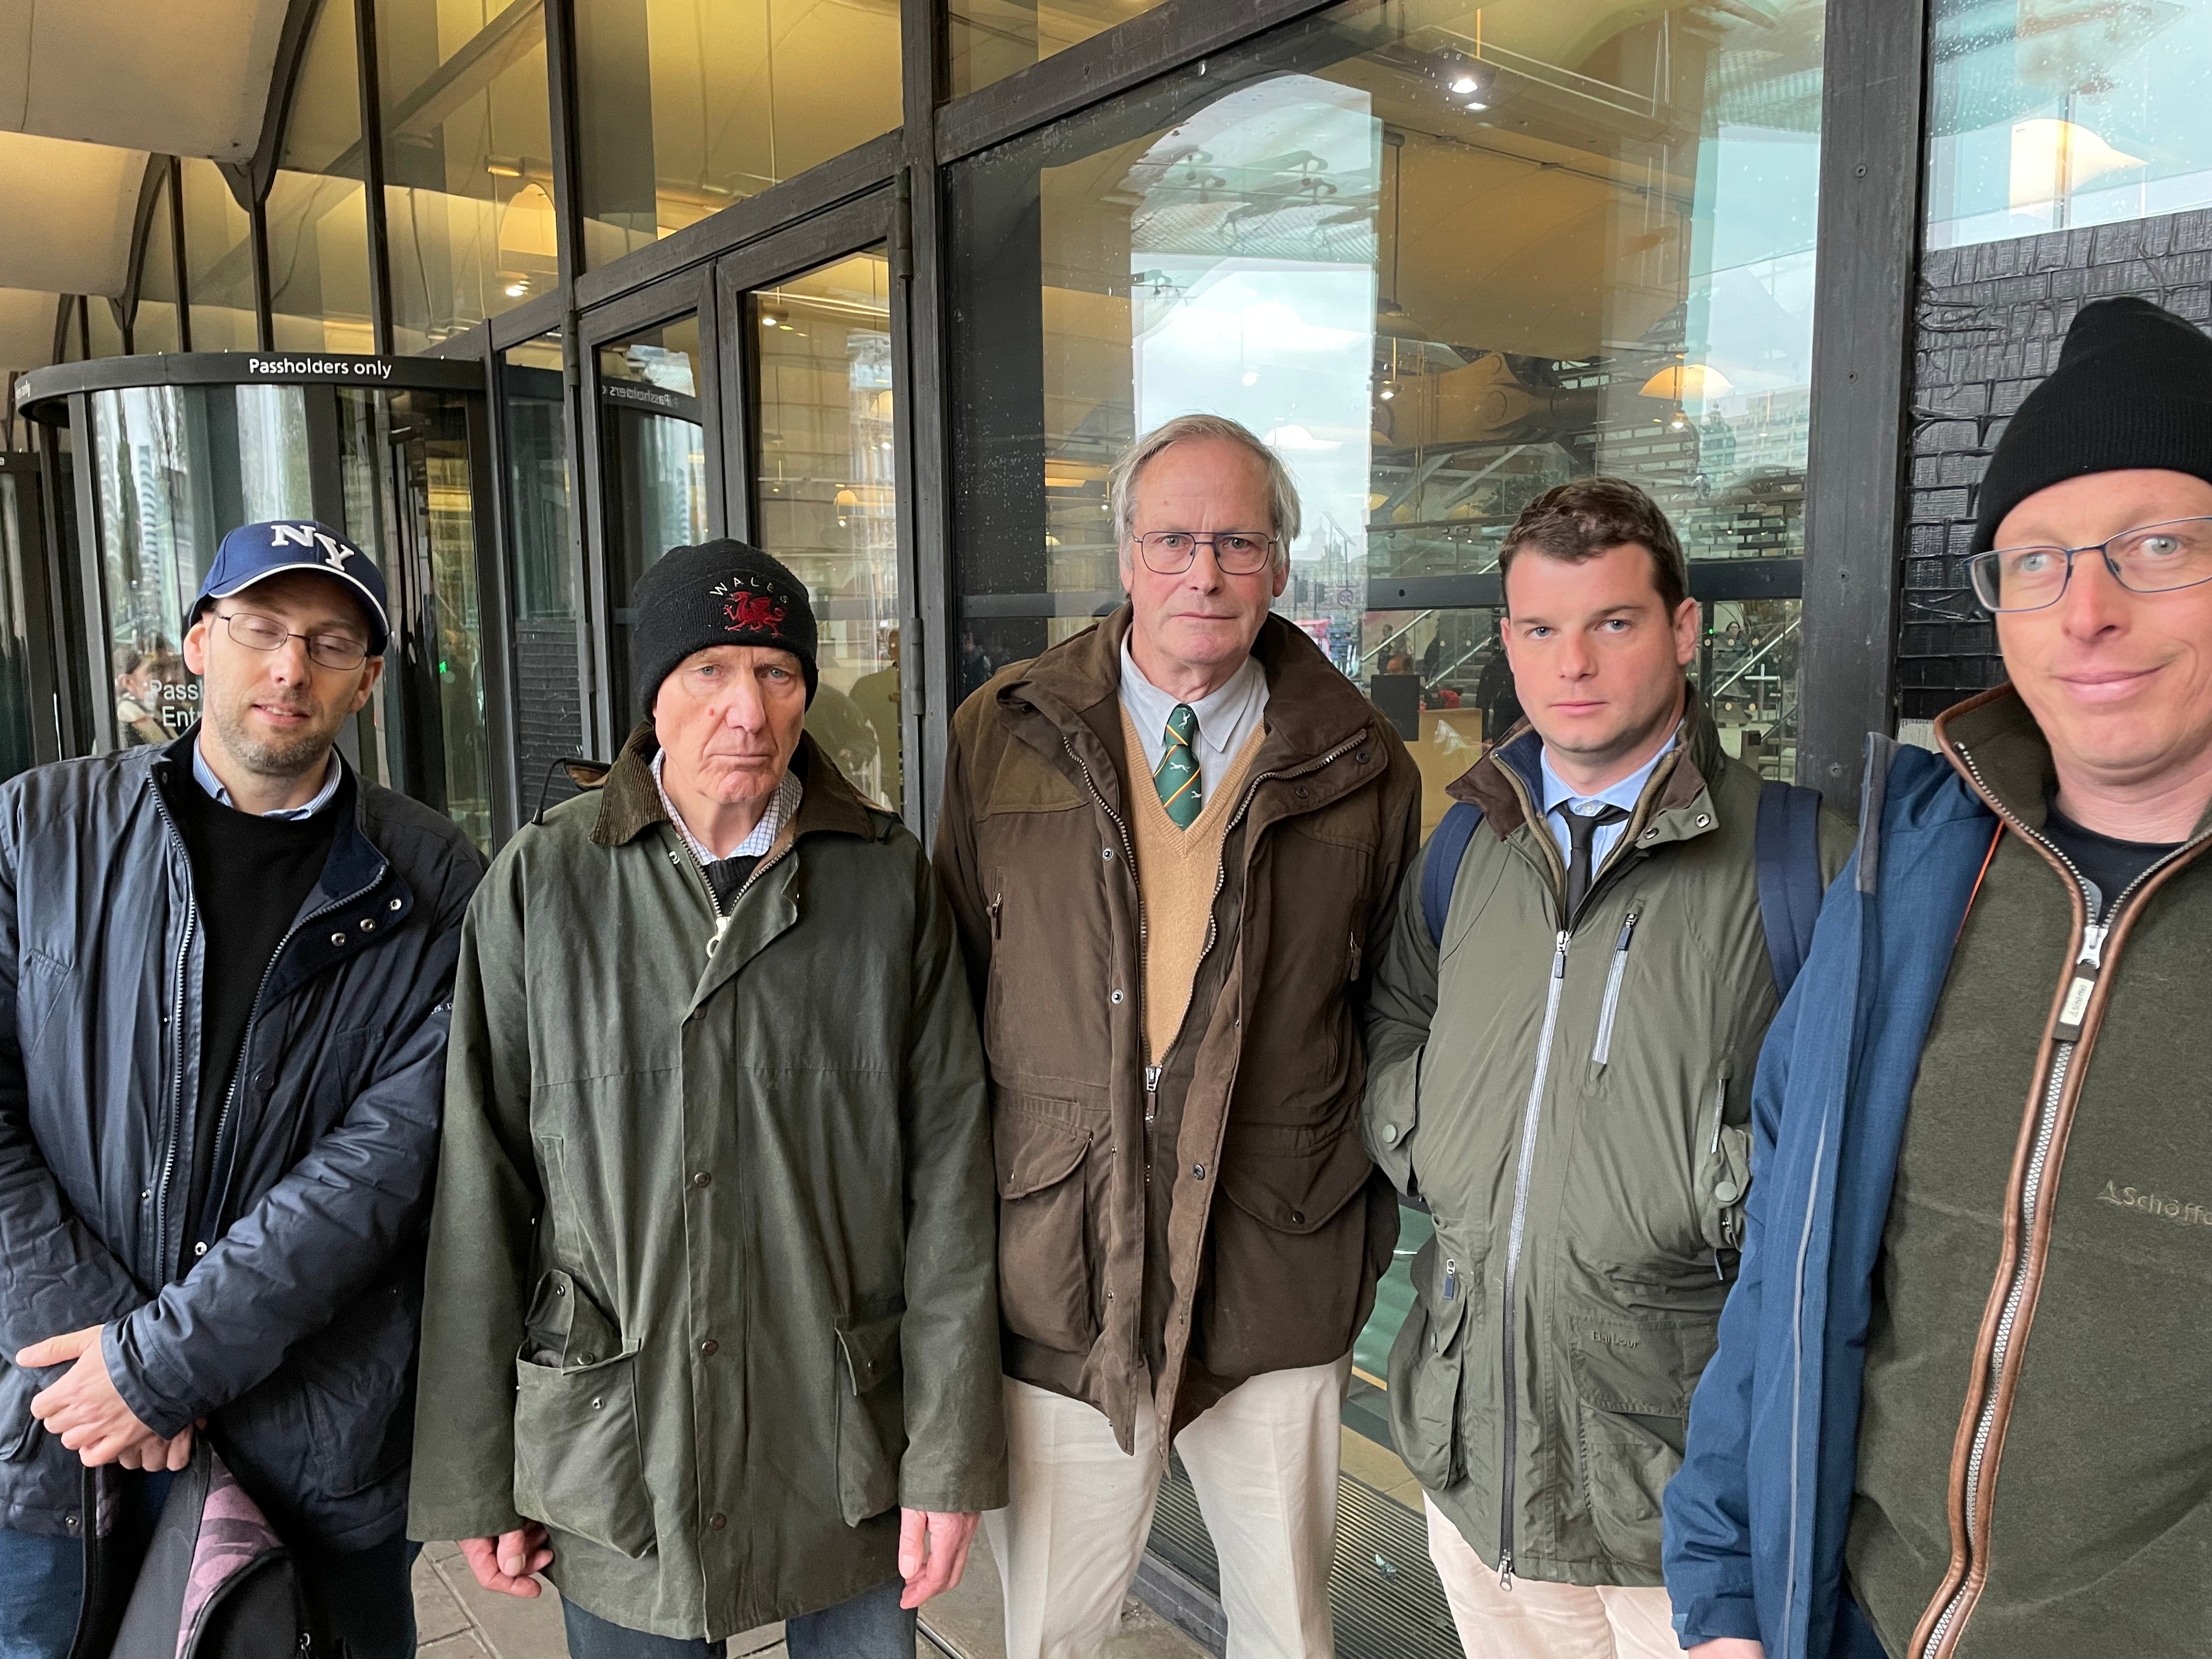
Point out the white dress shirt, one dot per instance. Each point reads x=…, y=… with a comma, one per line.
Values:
x=1225, y=716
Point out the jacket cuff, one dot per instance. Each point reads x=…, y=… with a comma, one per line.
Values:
x=1710, y=1618
x=126, y=1371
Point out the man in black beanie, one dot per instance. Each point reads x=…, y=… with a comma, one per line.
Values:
x=1959, y=1407
x=711, y=1324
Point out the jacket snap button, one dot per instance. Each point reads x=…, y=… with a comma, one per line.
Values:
x=1728, y=1192
x=1117, y=996
x=200, y=1248
x=587, y=1359
x=338, y=938
x=710, y=1347
x=703, y=1179
x=1303, y=792
x=264, y=1080
x=1106, y=853
x=1361, y=757
x=1197, y=1171
x=367, y=923
x=597, y=1400
x=718, y=1519
x=1649, y=835
x=1704, y=822
x=560, y=1290
x=394, y=905
x=1298, y=1216
x=1390, y=1133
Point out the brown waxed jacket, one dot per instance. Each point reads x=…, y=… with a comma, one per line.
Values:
x=1035, y=850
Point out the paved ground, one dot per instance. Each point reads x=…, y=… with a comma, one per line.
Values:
x=458, y=1620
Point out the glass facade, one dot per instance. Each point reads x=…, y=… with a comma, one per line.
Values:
x=157, y=324
x=546, y=666
x=825, y=499
x=988, y=39
x=654, y=464
x=19, y=542
x=218, y=262
x=316, y=210
x=468, y=171
x=686, y=105
x=2050, y=115
x=1442, y=258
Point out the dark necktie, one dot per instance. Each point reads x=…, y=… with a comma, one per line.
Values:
x=1176, y=776
x=1581, y=831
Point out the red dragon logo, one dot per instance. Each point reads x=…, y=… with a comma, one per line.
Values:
x=753, y=613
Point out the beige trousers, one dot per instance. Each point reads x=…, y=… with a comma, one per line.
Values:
x=1263, y=1460
x=1536, y=1620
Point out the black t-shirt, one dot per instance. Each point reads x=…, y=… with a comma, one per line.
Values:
x=2110, y=865
x=249, y=877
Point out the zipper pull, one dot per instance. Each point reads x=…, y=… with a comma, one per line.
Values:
x=1506, y=1572
x=721, y=927
x=1559, y=957
x=997, y=899
x=2086, y=967
x=1151, y=1092
x=1451, y=1281
x=1627, y=930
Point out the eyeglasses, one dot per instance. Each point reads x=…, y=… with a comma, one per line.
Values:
x=259, y=633
x=2155, y=558
x=1238, y=552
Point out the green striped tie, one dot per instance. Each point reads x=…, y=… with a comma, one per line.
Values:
x=1176, y=776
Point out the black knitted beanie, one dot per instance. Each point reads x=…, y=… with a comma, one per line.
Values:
x=2133, y=388
x=720, y=592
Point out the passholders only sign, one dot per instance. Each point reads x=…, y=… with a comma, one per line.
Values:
x=332, y=368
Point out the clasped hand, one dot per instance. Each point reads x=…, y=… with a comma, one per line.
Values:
x=84, y=1409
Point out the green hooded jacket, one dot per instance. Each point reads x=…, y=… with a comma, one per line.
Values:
x=1572, y=1100
x=712, y=1276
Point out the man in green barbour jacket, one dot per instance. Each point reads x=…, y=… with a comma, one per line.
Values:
x=1563, y=1072
x=711, y=1326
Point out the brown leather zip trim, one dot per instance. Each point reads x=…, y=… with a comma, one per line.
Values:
x=1968, y=1572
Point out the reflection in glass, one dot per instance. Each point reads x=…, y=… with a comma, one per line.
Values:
x=467, y=161
x=403, y=458
x=153, y=327
x=219, y=262
x=16, y=751
x=2046, y=114
x=1441, y=258
x=988, y=39
x=316, y=210
x=178, y=469
x=826, y=498
x=686, y=105
x=654, y=466
x=549, y=710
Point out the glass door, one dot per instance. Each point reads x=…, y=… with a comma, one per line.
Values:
x=815, y=323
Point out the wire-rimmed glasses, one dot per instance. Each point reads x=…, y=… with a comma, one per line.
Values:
x=1238, y=552
x=259, y=633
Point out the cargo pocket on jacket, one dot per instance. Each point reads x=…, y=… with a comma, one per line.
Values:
x=19, y=1429
x=870, y=1416
x=1724, y=1176
x=1427, y=1365
x=579, y=1460
x=1632, y=1386
x=1045, y=1290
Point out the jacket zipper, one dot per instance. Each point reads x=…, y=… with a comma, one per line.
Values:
x=1531, y=1116
x=164, y=1264
x=1602, y=1049
x=2087, y=966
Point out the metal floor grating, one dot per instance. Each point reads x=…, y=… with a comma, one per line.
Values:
x=1382, y=1589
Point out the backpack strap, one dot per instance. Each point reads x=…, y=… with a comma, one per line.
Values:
x=1440, y=868
x=1789, y=885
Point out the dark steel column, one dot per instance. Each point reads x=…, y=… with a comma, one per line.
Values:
x=1873, y=122
x=372, y=175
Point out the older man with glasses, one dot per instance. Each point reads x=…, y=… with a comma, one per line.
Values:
x=225, y=965
x=1172, y=842
x=1959, y=1406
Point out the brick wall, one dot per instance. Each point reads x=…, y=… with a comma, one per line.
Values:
x=1992, y=319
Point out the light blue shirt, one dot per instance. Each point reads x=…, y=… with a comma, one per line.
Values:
x=208, y=781
x=1225, y=716
x=1624, y=794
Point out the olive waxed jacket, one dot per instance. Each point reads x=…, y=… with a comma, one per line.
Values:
x=710, y=1280
x=1570, y=1096
x=1034, y=846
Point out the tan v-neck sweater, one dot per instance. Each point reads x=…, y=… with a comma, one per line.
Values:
x=1176, y=873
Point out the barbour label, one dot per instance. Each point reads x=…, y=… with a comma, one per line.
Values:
x=2165, y=1208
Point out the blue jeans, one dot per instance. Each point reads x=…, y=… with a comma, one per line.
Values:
x=363, y=1594
x=872, y=1625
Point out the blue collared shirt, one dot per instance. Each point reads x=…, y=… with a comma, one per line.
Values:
x=207, y=780
x=1624, y=794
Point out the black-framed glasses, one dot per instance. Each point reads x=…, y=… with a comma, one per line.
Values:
x=1238, y=552
x=2153, y=558
x=259, y=633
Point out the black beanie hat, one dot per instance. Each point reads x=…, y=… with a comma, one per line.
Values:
x=720, y=592
x=2133, y=388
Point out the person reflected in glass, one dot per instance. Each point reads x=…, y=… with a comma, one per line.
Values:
x=876, y=697
x=223, y=1271
x=1172, y=841
x=138, y=690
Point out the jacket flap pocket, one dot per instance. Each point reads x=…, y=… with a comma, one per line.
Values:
x=871, y=1349
x=1641, y=1369
x=565, y=1329
x=1033, y=1152
x=1293, y=1180
x=19, y=1429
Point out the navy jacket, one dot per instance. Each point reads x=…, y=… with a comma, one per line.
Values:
x=295, y=1332
x=1755, y=1520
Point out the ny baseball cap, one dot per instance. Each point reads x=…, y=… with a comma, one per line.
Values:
x=255, y=552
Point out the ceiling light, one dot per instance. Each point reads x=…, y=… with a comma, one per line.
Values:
x=516, y=290
x=503, y=169
x=1388, y=392
x=1682, y=383
x=1465, y=84
x=1475, y=103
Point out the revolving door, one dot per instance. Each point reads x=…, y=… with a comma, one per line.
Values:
x=171, y=454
